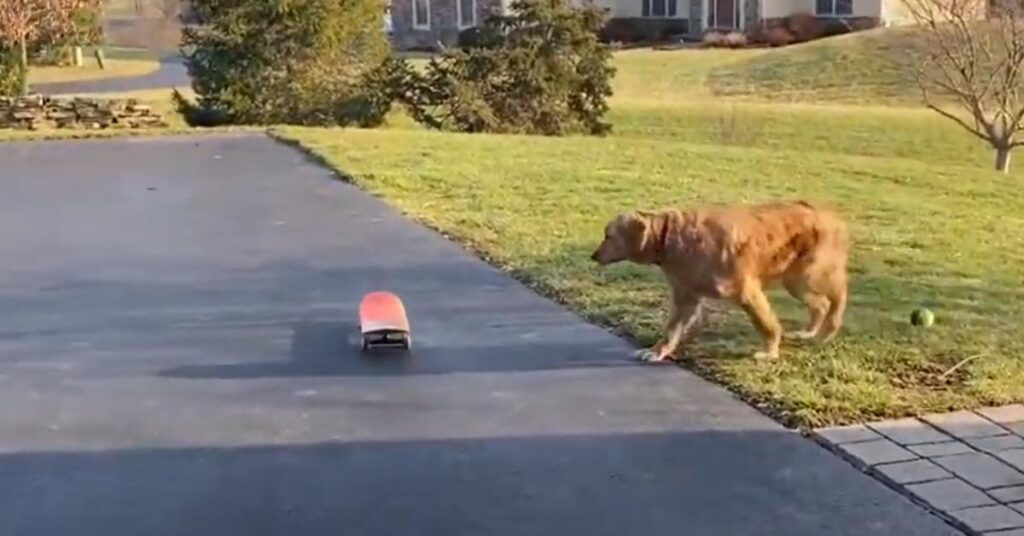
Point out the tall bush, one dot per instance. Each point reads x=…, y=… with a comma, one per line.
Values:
x=542, y=70
x=285, y=61
x=12, y=72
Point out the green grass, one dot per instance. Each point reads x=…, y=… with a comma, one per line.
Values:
x=859, y=68
x=932, y=225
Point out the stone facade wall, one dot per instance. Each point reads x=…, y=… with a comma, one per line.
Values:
x=444, y=24
x=37, y=112
x=855, y=24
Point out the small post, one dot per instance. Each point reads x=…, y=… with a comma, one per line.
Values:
x=77, y=60
x=99, y=58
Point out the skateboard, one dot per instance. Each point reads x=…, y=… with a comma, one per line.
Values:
x=382, y=321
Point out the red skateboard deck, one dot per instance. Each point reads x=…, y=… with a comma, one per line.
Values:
x=382, y=321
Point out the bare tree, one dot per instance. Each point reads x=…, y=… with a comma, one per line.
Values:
x=969, y=67
x=169, y=9
x=22, y=21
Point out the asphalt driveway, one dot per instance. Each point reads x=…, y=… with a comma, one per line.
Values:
x=176, y=357
x=171, y=73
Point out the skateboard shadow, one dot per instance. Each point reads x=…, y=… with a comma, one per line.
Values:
x=321, y=348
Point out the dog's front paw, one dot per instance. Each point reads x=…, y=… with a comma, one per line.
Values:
x=771, y=356
x=645, y=355
x=801, y=335
x=652, y=355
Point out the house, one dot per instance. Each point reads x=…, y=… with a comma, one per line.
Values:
x=424, y=23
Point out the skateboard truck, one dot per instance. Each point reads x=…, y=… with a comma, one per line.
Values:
x=383, y=322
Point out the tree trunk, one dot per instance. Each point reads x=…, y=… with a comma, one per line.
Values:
x=1003, y=159
x=23, y=49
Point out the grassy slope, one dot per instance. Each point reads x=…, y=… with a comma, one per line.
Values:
x=932, y=226
x=861, y=68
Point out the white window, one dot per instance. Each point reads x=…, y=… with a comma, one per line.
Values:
x=421, y=13
x=832, y=8
x=659, y=8
x=467, y=13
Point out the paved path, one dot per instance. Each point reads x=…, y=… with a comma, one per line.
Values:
x=175, y=358
x=172, y=73
x=969, y=465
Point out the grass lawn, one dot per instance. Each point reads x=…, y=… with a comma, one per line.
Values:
x=114, y=68
x=932, y=225
x=860, y=68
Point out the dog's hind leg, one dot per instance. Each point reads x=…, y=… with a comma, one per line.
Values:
x=817, y=305
x=752, y=299
x=837, y=294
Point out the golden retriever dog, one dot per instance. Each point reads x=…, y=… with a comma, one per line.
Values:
x=732, y=253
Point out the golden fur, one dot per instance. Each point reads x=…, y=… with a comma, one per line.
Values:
x=732, y=253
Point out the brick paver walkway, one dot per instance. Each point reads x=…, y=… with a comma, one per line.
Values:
x=967, y=465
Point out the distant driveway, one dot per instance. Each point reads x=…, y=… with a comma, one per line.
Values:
x=172, y=73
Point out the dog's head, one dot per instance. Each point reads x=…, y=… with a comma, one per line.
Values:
x=626, y=238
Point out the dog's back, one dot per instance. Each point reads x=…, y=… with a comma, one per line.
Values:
x=775, y=239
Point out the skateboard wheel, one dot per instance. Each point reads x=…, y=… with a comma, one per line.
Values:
x=366, y=344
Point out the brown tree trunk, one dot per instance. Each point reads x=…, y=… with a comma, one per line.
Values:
x=1003, y=159
x=23, y=48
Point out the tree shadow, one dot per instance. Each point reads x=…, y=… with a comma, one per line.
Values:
x=699, y=482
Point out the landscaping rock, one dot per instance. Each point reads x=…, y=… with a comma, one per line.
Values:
x=35, y=112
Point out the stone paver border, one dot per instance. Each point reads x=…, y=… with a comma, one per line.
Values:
x=966, y=466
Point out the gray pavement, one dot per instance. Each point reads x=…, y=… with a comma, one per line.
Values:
x=969, y=465
x=176, y=357
x=172, y=73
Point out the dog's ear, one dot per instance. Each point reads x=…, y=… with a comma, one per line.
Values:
x=636, y=227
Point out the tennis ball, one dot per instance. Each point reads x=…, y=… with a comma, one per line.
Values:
x=922, y=317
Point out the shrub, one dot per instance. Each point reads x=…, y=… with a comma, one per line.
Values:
x=479, y=37
x=756, y=32
x=285, y=61
x=548, y=74
x=833, y=27
x=803, y=26
x=713, y=39
x=622, y=31
x=12, y=73
x=778, y=36
x=734, y=40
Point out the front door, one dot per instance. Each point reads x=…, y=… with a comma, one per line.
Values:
x=722, y=14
